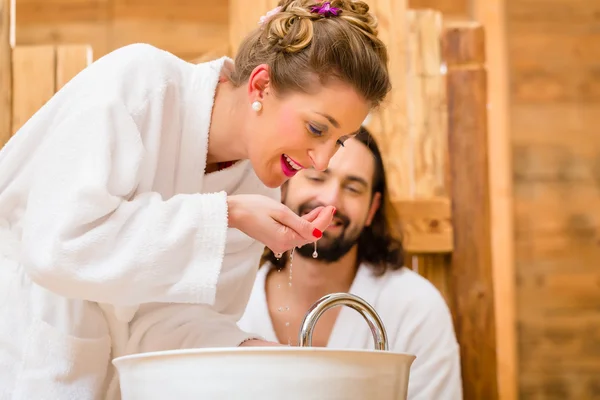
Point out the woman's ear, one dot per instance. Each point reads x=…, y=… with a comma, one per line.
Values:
x=258, y=82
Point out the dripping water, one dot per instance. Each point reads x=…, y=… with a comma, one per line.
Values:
x=287, y=308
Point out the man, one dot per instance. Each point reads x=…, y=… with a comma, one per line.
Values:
x=357, y=254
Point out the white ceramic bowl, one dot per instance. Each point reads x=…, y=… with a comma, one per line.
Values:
x=265, y=373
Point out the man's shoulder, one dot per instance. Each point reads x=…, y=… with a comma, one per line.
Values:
x=406, y=288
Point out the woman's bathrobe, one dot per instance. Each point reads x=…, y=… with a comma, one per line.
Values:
x=112, y=239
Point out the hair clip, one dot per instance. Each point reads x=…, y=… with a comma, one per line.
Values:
x=325, y=10
x=265, y=18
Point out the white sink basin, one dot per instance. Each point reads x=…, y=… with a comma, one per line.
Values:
x=265, y=373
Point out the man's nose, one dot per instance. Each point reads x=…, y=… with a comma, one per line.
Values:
x=329, y=194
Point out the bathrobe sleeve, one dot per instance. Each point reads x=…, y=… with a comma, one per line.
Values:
x=161, y=327
x=435, y=374
x=88, y=235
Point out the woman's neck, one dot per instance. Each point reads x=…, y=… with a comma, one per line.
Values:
x=225, y=137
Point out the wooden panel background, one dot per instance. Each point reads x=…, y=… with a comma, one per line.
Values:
x=187, y=28
x=554, y=62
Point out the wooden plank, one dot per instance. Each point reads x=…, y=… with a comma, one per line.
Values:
x=542, y=16
x=33, y=81
x=199, y=12
x=436, y=268
x=556, y=250
x=187, y=29
x=566, y=384
x=184, y=39
x=426, y=225
x=94, y=34
x=548, y=83
x=71, y=60
x=427, y=108
x=449, y=8
x=573, y=210
x=561, y=123
x=560, y=354
x=244, y=17
x=45, y=22
x=562, y=290
x=58, y=12
x=558, y=49
x=209, y=55
x=554, y=344
x=7, y=37
x=390, y=123
x=556, y=163
x=472, y=275
x=492, y=15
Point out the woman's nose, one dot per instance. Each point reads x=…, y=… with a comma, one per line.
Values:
x=320, y=157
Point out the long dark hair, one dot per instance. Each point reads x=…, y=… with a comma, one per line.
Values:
x=379, y=244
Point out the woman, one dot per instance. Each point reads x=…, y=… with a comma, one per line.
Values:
x=134, y=206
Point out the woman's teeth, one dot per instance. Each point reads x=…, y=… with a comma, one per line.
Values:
x=292, y=163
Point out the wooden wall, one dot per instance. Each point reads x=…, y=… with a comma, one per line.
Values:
x=554, y=61
x=186, y=28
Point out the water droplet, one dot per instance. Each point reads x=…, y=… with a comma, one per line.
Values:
x=287, y=324
x=280, y=309
x=315, y=254
x=278, y=286
x=290, y=284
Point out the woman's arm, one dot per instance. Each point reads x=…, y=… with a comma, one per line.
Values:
x=86, y=235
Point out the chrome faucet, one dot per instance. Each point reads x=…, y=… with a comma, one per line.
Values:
x=350, y=300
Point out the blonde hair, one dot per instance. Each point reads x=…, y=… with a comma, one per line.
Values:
x=299, y=45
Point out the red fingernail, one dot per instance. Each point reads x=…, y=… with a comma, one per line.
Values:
x=333, y=211
x=317, y=233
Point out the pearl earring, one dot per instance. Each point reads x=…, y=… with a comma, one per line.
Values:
x=257, y=106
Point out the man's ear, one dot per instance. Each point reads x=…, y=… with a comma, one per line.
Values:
x=375, y=204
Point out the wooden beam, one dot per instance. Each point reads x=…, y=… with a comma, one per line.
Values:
x=34, y=81
x=491, y=14
x=472, y=277
x=7, y=39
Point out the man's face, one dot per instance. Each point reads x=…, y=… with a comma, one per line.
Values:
x=347, y=184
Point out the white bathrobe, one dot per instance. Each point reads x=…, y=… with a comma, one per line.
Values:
x=416, y=318
x=113, y=240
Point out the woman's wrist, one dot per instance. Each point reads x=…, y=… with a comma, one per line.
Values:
x=232, y=211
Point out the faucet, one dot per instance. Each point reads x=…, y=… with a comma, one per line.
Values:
x=336, y=299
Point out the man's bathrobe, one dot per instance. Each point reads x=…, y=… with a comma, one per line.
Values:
x=416, y=318
x=113, y=240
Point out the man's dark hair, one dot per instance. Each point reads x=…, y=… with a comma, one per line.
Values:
x=379, y=244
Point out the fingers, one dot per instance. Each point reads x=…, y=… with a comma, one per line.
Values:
x=323, y=220
x=301, y=226
x=310, y=217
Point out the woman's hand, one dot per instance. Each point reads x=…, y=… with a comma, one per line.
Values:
x=274, y=224
x=258, y=343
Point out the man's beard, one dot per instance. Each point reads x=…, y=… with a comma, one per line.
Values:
x=330, y=249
